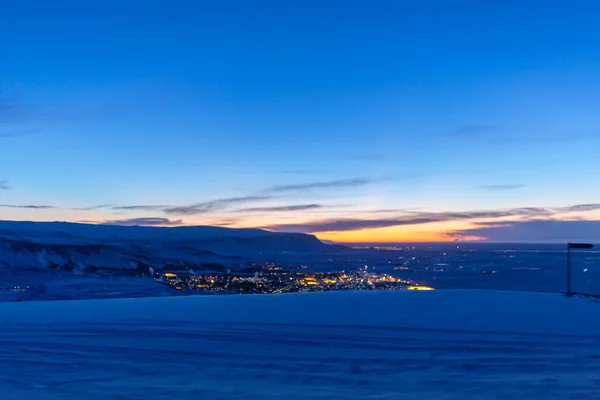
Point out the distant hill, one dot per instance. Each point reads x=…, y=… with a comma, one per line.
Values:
x=87, y=248
x=328, y=242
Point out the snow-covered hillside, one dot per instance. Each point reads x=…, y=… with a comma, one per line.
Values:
x=88, y=248
x=350, y=345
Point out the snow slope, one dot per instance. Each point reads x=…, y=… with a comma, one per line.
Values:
x=352, y=345
x=85, y=248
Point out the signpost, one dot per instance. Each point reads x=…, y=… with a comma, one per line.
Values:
x=569, y=247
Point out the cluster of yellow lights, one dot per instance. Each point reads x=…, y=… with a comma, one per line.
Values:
x=309, y=281
x=420, y=288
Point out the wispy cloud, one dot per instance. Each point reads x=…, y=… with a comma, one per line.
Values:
x=491, y=134
x=28, y=206
x=352, y=224
x=299, y=207
x=330, y=225
x=225, y=222
x=498, y=188
x=150, y=221
x=144, y=207
x=335, y=184
x=267, y=194
x=214, y=205
x=549, y=230
x=91, y=208
x=579, y=208
x=4, y=185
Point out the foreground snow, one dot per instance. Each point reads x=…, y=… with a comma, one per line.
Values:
x=352, y=345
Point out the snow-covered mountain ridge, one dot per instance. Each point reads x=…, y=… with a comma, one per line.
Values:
x=87, y=248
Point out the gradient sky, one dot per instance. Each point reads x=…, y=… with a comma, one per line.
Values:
x=354, y=120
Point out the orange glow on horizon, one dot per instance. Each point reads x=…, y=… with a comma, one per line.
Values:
x=447, y=231
x=432, y=232
x=366, y=236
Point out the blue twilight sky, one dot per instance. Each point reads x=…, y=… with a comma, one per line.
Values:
x=384, y=116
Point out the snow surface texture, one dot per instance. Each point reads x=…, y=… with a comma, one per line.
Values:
x=462, y=344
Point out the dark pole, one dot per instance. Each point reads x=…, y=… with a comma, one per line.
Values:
x=569, y=293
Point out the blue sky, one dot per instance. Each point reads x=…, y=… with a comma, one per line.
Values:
x=367, y=110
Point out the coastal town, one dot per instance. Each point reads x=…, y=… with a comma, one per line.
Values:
x=277, y=280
